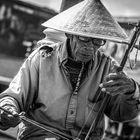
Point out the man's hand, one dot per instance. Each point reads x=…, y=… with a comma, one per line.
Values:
x=117, y=83
x=8, y=120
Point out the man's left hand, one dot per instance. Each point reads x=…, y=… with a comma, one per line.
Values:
x=117, y=83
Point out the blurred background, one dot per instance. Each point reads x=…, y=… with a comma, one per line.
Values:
x=20, y=29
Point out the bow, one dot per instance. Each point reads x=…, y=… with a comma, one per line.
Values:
x=47, y=128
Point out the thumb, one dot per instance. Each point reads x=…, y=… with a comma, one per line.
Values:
x=15, y=114
x=116, y=68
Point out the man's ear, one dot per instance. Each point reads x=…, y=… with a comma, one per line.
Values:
x=68, y=35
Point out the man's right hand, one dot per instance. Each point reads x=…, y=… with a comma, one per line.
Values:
x=8, y=120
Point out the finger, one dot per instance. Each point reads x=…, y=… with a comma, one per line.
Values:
x=10, y=111
x=120, y=87
x=112, y=83
x=107, y=87
x=116, y=91
x=15, y=114
x=117, y=81
x=103, y=90
x=113, y=76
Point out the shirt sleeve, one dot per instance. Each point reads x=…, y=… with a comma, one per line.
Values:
x=24, y=85
x=10, y=102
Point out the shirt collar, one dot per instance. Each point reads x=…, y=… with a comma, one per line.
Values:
x=63, y=53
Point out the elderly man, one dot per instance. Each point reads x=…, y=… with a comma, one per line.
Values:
x=63, y=84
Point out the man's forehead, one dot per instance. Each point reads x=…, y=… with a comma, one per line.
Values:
x=79, y=36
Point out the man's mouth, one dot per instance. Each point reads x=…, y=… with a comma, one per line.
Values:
x=85, y=55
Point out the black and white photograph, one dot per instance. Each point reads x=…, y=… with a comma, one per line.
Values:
x=69, y=70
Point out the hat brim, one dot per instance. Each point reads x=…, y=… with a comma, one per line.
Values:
x=89, y=18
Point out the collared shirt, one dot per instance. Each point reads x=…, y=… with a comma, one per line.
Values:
x=42, y=89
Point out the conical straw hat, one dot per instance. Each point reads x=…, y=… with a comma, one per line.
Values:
x=54, y=35
x=89, y=18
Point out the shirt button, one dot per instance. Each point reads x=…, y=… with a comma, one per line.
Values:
x=71, y=112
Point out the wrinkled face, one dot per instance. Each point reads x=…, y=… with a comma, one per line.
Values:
x=83, y=48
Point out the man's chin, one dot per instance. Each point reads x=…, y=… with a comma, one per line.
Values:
x=84, y=59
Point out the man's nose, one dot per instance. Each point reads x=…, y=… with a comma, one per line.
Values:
x=88, y=48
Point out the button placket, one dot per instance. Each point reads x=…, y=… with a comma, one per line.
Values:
x=72, y=108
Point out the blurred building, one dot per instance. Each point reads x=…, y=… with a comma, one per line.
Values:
x=20, y=28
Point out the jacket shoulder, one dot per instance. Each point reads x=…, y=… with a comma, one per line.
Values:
x=42, y=50
x=46, y=50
